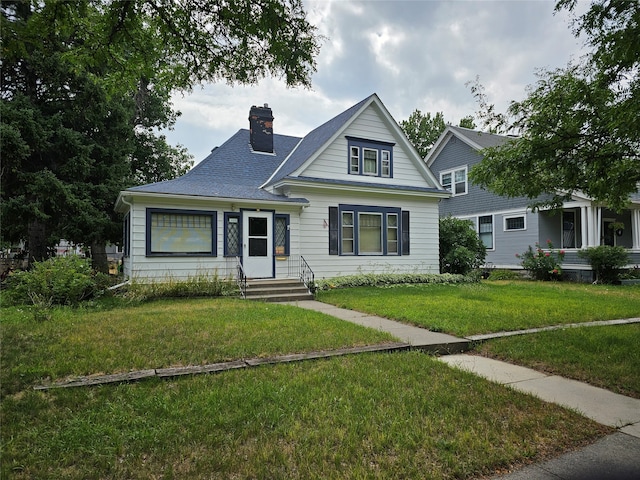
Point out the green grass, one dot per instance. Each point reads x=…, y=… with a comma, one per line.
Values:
x=402, y=415
x=162, y=334
x=606, y=357
x=486, y=307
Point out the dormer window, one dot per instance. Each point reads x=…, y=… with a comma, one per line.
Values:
x=370, y=157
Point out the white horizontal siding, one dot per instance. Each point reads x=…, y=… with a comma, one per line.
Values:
x=314, y=237
x=334, y=160
x=162, y=268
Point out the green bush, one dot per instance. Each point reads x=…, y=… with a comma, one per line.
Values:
x=56, y=281
x=201, y=285
x=501, y=274
x=377, y=280
x=541, y=264
x=461, y=249
x=606, y=261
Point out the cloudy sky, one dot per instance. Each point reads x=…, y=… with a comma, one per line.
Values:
x=414, y=54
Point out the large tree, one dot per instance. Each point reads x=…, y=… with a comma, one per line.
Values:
x=87, y=85
x=578, y=125
x=423, y=130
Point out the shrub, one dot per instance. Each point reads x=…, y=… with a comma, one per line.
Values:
x=461, y=249
x=541, y=264
x=201, y=285
x=377, y=280
x=501, y=274
x=606, y=261
x=56, y=281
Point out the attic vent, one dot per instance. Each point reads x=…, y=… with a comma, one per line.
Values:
x=261, y=129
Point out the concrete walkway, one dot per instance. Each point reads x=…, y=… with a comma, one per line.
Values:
x=615, y=457
x=418, y=338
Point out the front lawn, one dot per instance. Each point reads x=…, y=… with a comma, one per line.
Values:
x=162, y=334
x=402, y=415
x=607, y=357
x=468, y=309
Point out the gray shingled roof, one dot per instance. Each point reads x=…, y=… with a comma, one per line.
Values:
x=232, y=170
x=484, y=140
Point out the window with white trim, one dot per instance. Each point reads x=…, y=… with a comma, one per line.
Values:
x=354, y=160
x=180, y=232
x=514, y=223
x=370, y=157
x=485, y=230
x=370, y=162
x=386, y=163
x=392, y=234
x=347, y=233
x=455, y=181
x=368, y=230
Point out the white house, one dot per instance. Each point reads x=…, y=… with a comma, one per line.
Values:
x=351, y=196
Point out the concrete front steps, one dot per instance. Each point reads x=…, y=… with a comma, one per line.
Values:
x=280, y=290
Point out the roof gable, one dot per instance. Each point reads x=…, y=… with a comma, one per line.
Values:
x=299, y=164
x=474, y=138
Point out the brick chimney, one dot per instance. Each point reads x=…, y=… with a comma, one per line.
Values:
x=261, y=129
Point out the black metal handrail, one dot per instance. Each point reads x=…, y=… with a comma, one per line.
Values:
x=241, y=278
x=306, y=275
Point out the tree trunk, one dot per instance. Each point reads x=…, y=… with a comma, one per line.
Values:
x=37, y=246
x=99, y=260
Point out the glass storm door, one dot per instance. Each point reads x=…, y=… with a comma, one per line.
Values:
x=257, y=256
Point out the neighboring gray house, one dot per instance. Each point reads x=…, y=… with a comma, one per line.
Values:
x=508, y=226
x=352, y=196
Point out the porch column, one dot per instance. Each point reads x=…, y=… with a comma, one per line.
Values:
x=598, y=226
x=591, y=227
x=635, y=228
x=584, y=231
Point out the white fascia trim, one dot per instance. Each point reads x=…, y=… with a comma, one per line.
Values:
x=238, y=201
x=360, y=189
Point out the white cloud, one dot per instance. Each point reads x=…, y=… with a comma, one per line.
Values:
x=414, y=54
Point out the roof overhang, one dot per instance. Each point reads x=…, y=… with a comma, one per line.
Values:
x=358, y=187
x=126, y=197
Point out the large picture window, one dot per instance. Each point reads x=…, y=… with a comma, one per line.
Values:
x=370, y=233
x=180, y=232
x=370, y=157
x=368, y=230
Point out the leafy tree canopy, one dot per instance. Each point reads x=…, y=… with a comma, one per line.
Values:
x=423, y=130
x=579, y=124
x=87, y=85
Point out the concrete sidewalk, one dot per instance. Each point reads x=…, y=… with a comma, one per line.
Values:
x=418, y=338
x=615, y=457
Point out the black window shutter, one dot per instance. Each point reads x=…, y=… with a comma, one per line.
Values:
x=333, y=230
x=405, y=232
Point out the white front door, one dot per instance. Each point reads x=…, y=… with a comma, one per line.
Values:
x=257, y=251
